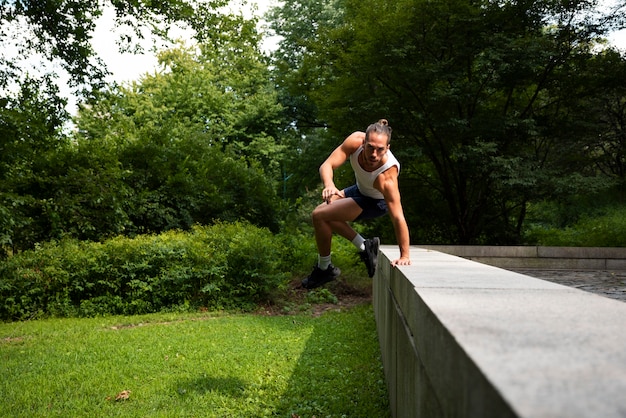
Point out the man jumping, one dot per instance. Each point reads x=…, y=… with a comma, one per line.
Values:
x=375, y=193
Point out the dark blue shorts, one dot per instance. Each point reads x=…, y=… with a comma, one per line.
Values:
x=372, y=208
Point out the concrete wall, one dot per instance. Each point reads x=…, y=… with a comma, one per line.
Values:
x=535, y=257
x=464, y=339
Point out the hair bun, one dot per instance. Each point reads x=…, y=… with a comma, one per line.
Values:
x=380, y=127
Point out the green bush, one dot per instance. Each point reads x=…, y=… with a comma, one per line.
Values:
x=605, y=230
x=223, y=266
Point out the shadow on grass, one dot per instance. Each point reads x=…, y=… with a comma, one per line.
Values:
x=339, y=372
x=335, y=372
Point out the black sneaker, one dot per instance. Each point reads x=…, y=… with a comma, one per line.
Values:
x=319, y=277
x=370, y=255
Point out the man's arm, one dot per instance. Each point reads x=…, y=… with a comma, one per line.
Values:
x=335, y=160
x=387, y=183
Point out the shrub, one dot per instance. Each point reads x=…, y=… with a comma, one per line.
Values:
x=605, y=230
x=233, y=266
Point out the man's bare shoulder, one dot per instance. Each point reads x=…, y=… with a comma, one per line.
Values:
x=353, y=142
x=390, y=173
x=387, y=180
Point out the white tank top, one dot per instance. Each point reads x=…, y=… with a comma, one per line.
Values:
x=365, y=179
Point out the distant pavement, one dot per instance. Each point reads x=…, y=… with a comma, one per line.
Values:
x=611, y=284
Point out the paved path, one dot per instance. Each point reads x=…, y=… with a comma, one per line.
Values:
x=611, y=284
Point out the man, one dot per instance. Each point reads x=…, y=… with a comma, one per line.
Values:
x=374, y=194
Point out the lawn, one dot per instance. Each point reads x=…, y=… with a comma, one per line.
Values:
x=194, y=365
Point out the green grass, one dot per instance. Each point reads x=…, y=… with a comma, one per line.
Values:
x=194, y=365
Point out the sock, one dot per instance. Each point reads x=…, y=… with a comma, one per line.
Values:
x=323, y=261
x=359, y=242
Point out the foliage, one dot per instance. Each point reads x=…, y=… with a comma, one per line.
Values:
x=605, y=145
x=222, y=94
x=30, y=131
x=61, y=30
x=321, y=296
x=194, y=365
x=51, y=35
x=195, y=142
x=301, y=25
x=489, y=109
x=94, y=189
x=602, y=231
x=495, y=107
x=593, y=221
x=221, y=266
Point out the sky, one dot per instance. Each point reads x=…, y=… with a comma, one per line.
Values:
x=618, y=39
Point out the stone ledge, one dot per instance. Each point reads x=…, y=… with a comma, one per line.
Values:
x=464, y=339
x=537, y=257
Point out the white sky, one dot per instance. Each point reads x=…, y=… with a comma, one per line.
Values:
x=618, y=39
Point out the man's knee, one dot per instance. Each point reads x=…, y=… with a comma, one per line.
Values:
x=316, y=215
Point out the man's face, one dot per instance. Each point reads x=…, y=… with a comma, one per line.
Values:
x=374, y=149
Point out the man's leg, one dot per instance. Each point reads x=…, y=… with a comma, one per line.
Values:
x=328, y=219
x=334, y=217
x=337, y=222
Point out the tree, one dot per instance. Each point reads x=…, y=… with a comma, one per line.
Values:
x=302, y=25
x=479, y=97
x=197, y=141
x=61, y=30
x=30, y=130
x=194, y=142
x=606, y=147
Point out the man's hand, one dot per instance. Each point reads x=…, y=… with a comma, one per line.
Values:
x=329, y=193
x=402, y=261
